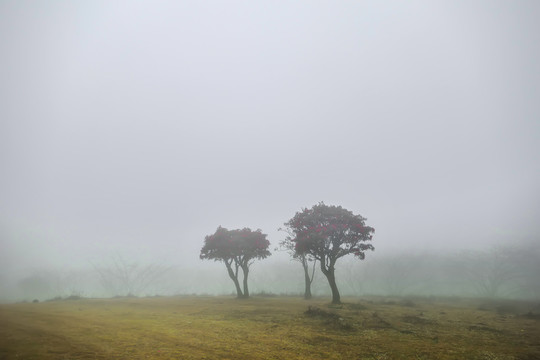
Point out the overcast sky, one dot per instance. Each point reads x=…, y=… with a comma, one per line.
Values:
x=139, y=127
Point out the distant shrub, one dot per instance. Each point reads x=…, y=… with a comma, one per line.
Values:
x=407, y=303
x=265, y=294
x=531, y=315
x=130, y=295
x=357, y=306
x=417, y=320
x=330, y=319
x=314, y=311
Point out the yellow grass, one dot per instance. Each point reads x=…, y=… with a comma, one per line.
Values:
x=267, y=328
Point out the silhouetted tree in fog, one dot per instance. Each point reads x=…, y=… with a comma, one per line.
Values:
x=530, y=269
x=121, y=277
x=238, y=249
x=34, y=286
x=303, y=258
x=494, y=271
x=328, y=233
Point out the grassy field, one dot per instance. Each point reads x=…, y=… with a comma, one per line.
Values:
x=269, y=328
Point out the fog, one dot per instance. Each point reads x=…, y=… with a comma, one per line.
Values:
x=129, y=131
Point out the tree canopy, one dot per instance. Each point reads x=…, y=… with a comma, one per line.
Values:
x=237, y=249
x=328, y=233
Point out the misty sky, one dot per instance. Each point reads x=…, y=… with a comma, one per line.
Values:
x=139, y=127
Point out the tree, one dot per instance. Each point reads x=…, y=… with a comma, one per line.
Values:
x=328, y=233
x=305, y=259
x=123, y=278
x=238, y=249
x=35, y=286
x=494, y=272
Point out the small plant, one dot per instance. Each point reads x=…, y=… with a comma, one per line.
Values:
x=315, y=311
x=357, y=306
x=407, y=303
x=330, y=319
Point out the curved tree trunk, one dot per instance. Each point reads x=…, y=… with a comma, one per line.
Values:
x=329, y=273
x=245, y=270
x=234, y=278
x=336, y=298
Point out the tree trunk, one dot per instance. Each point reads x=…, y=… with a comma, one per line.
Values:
x=234, y=278
x=245, y=270
x=307, y=279
x=329, y=273
x=336, y=298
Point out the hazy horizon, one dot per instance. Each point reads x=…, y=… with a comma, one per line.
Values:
x=139, y=128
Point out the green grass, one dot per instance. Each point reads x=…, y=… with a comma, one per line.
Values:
x=269, y=328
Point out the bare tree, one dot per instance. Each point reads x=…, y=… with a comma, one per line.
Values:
x=530, y=269
x=121, y=277
x=492, y=271
x=34, y=286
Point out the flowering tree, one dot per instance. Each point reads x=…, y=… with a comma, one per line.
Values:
x=238, y=249
x=328, y=233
